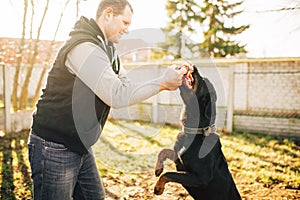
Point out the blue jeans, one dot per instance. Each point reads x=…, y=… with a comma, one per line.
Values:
x=60, y=174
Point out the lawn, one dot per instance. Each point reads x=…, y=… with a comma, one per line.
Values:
x=263, y=167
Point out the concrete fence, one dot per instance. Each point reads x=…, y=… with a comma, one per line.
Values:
x=254, y=95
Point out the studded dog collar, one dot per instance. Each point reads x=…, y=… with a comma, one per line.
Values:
x=205, y=131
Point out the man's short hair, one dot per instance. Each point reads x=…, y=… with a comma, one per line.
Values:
x=118, y=6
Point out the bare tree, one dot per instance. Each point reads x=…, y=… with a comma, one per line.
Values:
x=14, y=97
x=24, y=91
x=48, y=57
x=77, y=7
x=290, y=8
x=28, y=52
x=286, y=5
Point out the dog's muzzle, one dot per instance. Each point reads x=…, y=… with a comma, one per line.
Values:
x=187, y=78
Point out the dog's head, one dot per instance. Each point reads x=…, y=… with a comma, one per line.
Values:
x=199, y=97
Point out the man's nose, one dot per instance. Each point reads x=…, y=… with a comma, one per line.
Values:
x=125, y=30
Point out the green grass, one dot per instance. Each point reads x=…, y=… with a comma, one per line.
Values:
x=263, y=167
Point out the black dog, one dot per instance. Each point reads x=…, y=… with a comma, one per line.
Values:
x=201, y=166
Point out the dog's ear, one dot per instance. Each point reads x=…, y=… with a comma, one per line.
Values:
x=196, y=77
x=210, y=104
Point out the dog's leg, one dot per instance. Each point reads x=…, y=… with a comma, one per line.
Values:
x=184, y=178
x=162, y=156
x=160, y=185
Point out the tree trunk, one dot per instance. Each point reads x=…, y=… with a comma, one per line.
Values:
x=24, y=92
x=14, y=97
x=48, y=57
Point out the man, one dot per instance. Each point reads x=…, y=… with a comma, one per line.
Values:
x=86, y=79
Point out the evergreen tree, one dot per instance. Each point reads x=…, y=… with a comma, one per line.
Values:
x=213, y=15
x=218, y=35
x=181, y=15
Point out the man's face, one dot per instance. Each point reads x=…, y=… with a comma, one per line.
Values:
x=118, y=25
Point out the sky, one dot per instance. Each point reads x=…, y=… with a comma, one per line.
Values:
x=271, y=34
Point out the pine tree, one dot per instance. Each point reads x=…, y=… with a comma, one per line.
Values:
x=218, y=35
x=181, y=15
x=213, y=15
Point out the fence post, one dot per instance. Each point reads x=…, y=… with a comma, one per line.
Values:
x=230, y=102
x=6, y=94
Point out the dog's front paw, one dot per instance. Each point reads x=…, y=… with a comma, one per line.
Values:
x=158, y=171
x=159, y=168
x=158, y=190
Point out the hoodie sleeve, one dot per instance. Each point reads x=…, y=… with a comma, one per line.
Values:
x=92, y=66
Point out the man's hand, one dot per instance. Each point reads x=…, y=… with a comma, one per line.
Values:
x=172, y=78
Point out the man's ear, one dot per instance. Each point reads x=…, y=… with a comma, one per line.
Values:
x=108, y=12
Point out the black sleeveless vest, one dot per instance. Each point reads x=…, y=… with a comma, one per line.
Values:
x=68, y=112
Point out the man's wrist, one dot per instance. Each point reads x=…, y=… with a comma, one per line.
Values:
x=163, y=85
x=160, y=82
